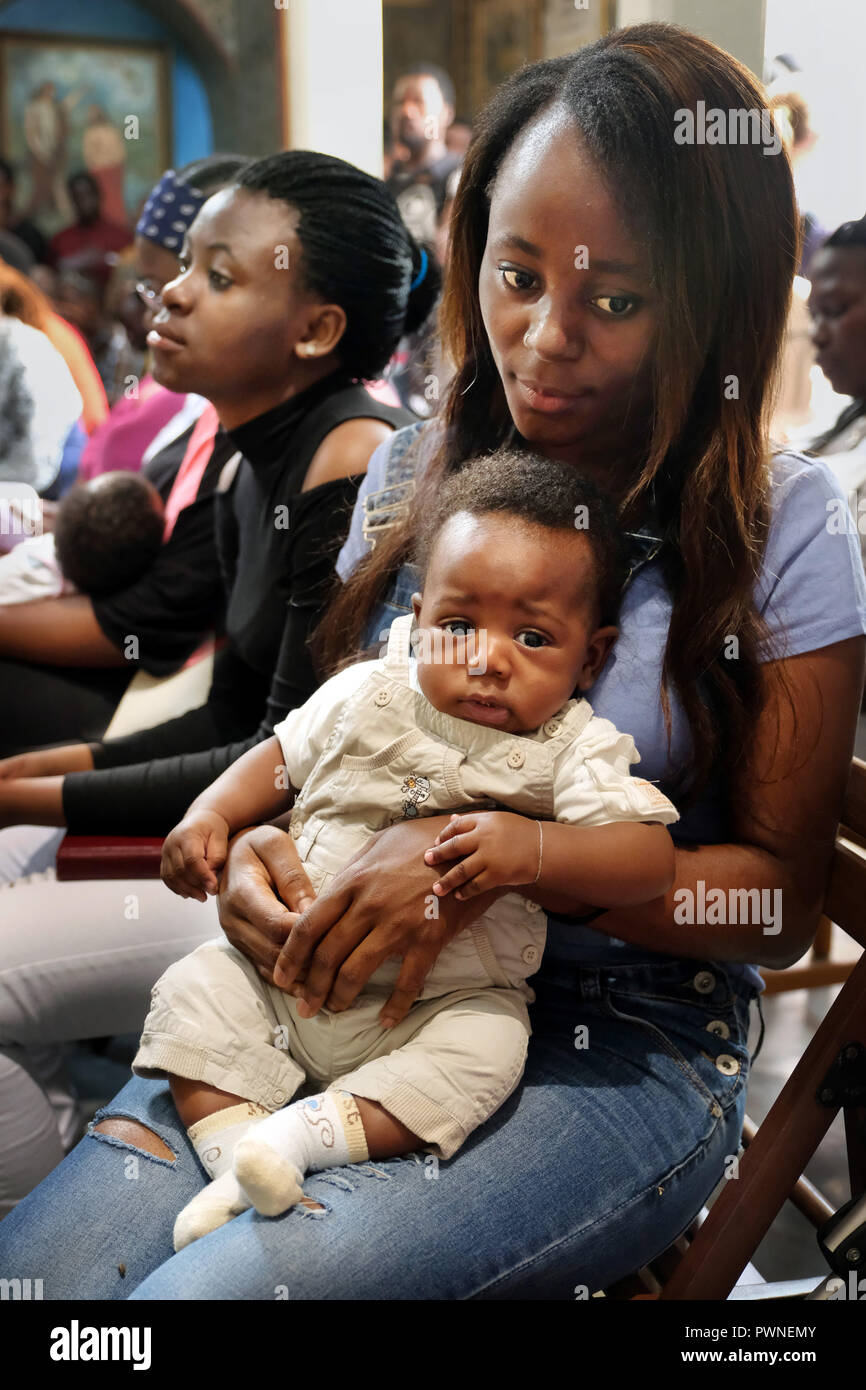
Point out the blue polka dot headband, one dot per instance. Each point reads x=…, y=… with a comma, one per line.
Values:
x=169, y=211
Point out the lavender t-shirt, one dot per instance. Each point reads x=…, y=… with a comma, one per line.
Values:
x=811, y=592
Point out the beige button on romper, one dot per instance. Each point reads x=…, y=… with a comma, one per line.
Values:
x=366, y=750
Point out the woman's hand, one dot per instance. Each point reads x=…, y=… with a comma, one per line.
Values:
x=263, y=889
x=382, y=905
x=47, y=762
x=193, y=854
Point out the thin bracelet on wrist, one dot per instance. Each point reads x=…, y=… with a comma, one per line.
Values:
x=540, y=851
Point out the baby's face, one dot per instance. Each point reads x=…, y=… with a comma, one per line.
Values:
x=507, y=621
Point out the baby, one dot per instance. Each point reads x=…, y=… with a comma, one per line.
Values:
x=523, y=568
x=107, y=533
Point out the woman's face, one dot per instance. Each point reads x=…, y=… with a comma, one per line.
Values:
x=838, y=308
x=567, y=302
x=230, y=321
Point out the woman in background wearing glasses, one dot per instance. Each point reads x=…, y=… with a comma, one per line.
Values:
x=64, y=662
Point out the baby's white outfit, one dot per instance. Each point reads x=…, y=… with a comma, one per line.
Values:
x=30, y=572
x=366, y=750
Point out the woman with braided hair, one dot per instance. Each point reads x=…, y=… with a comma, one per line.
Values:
x=279, y=314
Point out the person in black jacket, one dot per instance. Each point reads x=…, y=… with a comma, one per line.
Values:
x=65, y=662
x=281, y=310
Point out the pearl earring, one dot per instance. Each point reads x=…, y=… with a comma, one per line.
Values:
x=525, y=336
x=308, y=349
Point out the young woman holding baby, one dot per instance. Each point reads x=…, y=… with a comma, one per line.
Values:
x=606, y=286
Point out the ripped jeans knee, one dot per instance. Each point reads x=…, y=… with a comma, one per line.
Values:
x=133, y=1135
x=347, y=1179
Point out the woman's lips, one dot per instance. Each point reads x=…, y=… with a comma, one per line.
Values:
x=160, y=342
x=480, y=712
x=546, y=401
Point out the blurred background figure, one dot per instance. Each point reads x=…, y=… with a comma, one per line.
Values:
x=82, y=300
x=423, y=180
x=39, y=406
x=46, y=132
x=422, y=111
x=91, y=242
x=392, y=150
x=792, y=117
x=105, y=157
x=22, y=298
x=458, y=136
x=838, y=308
x=12, y=222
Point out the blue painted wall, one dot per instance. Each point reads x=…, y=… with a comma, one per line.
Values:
x=121, y=19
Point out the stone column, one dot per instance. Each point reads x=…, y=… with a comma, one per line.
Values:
x=332, y=78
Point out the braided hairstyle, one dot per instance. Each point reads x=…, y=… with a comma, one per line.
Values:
x=212, y=172
x=356, y=252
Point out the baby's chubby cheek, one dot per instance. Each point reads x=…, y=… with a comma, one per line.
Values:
x=440, y=683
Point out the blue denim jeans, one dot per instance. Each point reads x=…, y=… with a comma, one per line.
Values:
x=632, y=1100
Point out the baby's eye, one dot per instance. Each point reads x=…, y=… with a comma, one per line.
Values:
x=532, y=638
x=458, y=626
x=618, y=305
x=219, y=282
x=522, y=280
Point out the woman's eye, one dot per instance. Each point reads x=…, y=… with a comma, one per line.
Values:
x=530, y=638
x=618, y=305
x=522, y=280
x=219, y=282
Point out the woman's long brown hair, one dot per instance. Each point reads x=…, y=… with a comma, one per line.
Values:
x=720, y=223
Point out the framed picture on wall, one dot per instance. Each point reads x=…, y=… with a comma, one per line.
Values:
x=71, y=104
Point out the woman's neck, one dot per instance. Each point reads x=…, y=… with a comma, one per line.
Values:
x=613, y=471
x=235, y=412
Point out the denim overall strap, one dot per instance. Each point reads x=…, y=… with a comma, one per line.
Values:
x=389, y=503
x=396, y=659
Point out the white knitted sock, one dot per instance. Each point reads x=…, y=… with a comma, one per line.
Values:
x=323, y=1131
x=214, y=1139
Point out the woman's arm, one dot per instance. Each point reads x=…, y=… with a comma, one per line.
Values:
x=57, y=631
x=381, y=905
x=144, y=783
x=788, y=796
x=34, y=801
x=786, y=806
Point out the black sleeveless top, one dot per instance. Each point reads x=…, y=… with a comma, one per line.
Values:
x=277, y=547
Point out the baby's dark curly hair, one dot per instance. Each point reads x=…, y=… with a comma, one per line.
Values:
x=543, y=492
x=108, y=532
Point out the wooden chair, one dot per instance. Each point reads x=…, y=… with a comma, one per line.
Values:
x=818, y=969
x=707, y=1260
